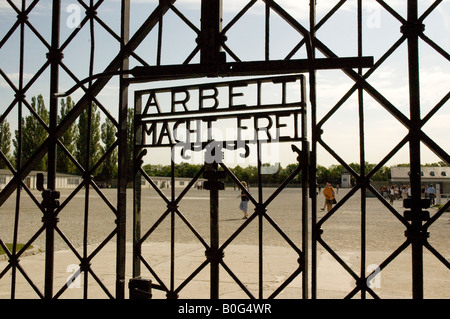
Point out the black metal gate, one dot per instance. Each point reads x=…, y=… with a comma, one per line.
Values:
x=213, y=53
x=156, y=128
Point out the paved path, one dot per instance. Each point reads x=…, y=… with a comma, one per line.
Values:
x=341, y=232
x=279, y=264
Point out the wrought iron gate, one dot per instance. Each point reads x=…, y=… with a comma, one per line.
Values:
x=209, y=56
x=155, y=128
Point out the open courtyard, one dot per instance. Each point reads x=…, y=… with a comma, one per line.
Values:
x=341, y=232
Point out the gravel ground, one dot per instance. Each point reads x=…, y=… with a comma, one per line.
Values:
x=385, y=233
x=341, y=231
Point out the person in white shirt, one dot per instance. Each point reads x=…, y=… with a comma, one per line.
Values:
x=431, y=192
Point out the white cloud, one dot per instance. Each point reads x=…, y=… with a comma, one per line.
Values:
x=15, y=76
x=435, y=83
x=299, y=9
x=445, y=17
x=5, y=8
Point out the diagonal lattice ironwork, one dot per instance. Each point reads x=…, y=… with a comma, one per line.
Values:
x=261, y=211
x=209, y=49
x=411, y=30
x=214, y=172
x=23, y=166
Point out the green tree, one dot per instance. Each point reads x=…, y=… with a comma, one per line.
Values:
x=248, y=174
x=322, y=174
x=157, y=170
x=68, y=139
x=334, y=174
x=33, y=133
x=109, y=166
x=88, y=148
x=5, y=142
x=438, y=164
x=382, y=174
x=187, y=170
x=289, y=170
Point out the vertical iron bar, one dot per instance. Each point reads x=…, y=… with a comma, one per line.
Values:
x=260, y=217
x=305, y=178
x=313, y=162
x=86, y=197
x=123, y=165
x=267, y=33
x=137, y=189
x=211, y=27
x=53, y=56
x=411, y=30
x=210, y=54
x=54, y=82
x=88, y=158
x=16, y=224
x=362, y=159
x=19, y=152
x=160, y=35
x=172, y=221
x=214, y=232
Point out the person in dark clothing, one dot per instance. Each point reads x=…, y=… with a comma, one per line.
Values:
x=244, y=201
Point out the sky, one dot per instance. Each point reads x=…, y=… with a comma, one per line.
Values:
x=246, y=39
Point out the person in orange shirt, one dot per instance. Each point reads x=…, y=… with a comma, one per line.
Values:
x=328, y=192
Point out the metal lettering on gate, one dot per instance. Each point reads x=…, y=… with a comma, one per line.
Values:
x=202, y=122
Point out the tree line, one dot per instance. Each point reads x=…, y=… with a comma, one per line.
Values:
x=249, y=174
x=276, y=174
x=82, y=144
x=87, y=140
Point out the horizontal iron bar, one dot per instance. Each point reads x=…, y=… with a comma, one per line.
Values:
x=168, y=72
x=267, y=110
x=227, y=144
x=211, y=85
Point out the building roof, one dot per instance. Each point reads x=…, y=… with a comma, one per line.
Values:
x=428, y=173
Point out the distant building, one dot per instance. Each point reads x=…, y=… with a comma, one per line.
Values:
x=439, y=177
x=166, y=182
x=346, y=179
x=72, y=181
x=62, y=180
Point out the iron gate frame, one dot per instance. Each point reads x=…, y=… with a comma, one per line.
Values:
x=215, y=252
x=416, y=220
x=412, y=32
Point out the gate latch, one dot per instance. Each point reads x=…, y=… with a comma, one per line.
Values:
x=140, y=288
x=50, y=200
x=213, y=177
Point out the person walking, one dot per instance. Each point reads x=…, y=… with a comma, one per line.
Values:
x=244, y=200
x=329, y=194
x=391, y=195
x=431, y=192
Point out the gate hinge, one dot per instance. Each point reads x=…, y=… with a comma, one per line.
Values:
x=417, y=236
x=214, y=185
x=212, y=175
x=424, y=215
x=214, y=254
x=50, y=199
x=412, y=28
